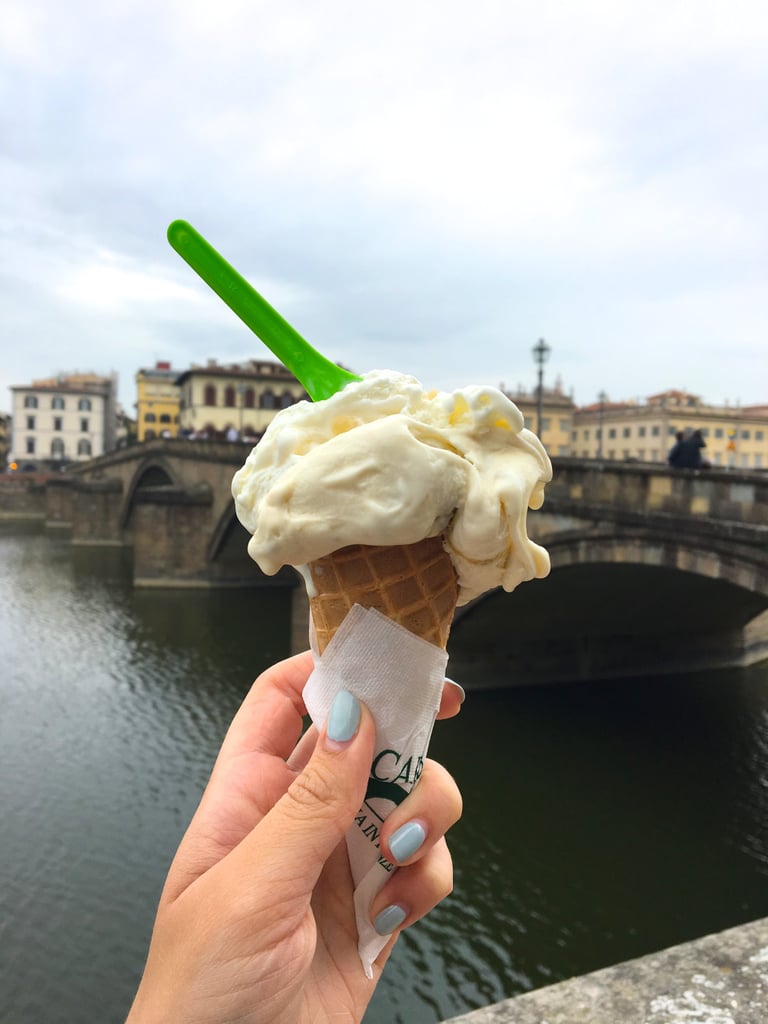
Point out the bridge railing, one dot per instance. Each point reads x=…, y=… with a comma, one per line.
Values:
x=727, y=496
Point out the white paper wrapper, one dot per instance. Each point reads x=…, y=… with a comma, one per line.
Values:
x=400, y=678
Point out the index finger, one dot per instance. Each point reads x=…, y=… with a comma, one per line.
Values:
x=269, y=721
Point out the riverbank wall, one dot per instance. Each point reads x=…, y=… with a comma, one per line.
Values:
x=718, y=979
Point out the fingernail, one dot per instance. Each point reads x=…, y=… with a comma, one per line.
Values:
x=344, y=717
x=389, y=919
x=406, y=840
x=459, y=687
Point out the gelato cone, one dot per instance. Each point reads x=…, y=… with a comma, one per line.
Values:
x=396, y=505
x=415, y=585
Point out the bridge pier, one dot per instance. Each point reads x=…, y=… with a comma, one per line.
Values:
x=170, y=528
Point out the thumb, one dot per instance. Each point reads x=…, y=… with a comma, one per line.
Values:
x=302, y=830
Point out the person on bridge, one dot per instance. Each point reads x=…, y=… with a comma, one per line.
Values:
x=255, y=921
x=689, y=455
x=674, y=451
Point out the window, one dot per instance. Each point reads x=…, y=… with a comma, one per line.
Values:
x=641, y=431
x=248, y=398
x=758, y=435
x=209, y=395
x=267, y=401
x=30, y=402
x=612, y=432
x=744, y=435
x=150, y=417
x=84, y=405
x=57, y=402
x=84, y=425
x=149, y=435
x=544, y=423
x=58, y=423
x=83, y=447
x=57, y=448
x=586, y=435
x=718, y=431
x=573, y=435
x=229, y=396
x=165, y=418
x=671, y=431
x=30, y=446
x=627, y=432
x=758, y=461
x=30, y=422
x=565, y=425
x=286, y=399
x=655, y=431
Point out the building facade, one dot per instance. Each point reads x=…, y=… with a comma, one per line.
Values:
x=237, y=400
x=157, y=402
x=557, y=409
x=735, y=436
x=58, y=420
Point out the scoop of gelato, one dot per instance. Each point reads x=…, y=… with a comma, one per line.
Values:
x=383, y=462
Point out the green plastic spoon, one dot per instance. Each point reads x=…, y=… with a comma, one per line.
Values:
x=320, y=377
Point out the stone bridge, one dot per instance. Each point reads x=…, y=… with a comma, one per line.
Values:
x=652, y=569
x=169, y=501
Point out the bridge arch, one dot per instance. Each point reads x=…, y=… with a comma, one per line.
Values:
x=611, y=607
x=152, y=471
x=227, y=555
x=733, y=563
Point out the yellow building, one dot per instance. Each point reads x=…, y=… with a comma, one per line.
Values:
x=234, y=401
x=556, y=416
x=157, y=402
x=645, y=431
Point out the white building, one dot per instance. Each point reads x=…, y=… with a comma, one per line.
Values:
x=69, y=418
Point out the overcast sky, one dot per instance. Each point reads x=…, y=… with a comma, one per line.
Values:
x=425, y=186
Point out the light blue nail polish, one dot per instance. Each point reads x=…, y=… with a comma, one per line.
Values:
x=406, y=840
x=389, y=919
x=344, y=717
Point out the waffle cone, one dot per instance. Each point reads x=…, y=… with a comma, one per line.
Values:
x=413, y=584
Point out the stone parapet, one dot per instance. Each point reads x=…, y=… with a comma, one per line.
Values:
x=712, y=494
x=720, y=979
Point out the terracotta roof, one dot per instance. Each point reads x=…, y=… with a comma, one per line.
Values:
x=252, y=370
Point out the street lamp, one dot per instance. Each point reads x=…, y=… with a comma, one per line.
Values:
x=541, y=352
x=602, y=399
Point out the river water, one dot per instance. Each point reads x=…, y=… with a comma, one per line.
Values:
x=602, y=820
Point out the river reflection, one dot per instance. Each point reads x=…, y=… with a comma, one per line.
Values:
x=602, y=820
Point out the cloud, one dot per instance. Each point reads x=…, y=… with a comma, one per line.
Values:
x=429, y=186
x=108, y=285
